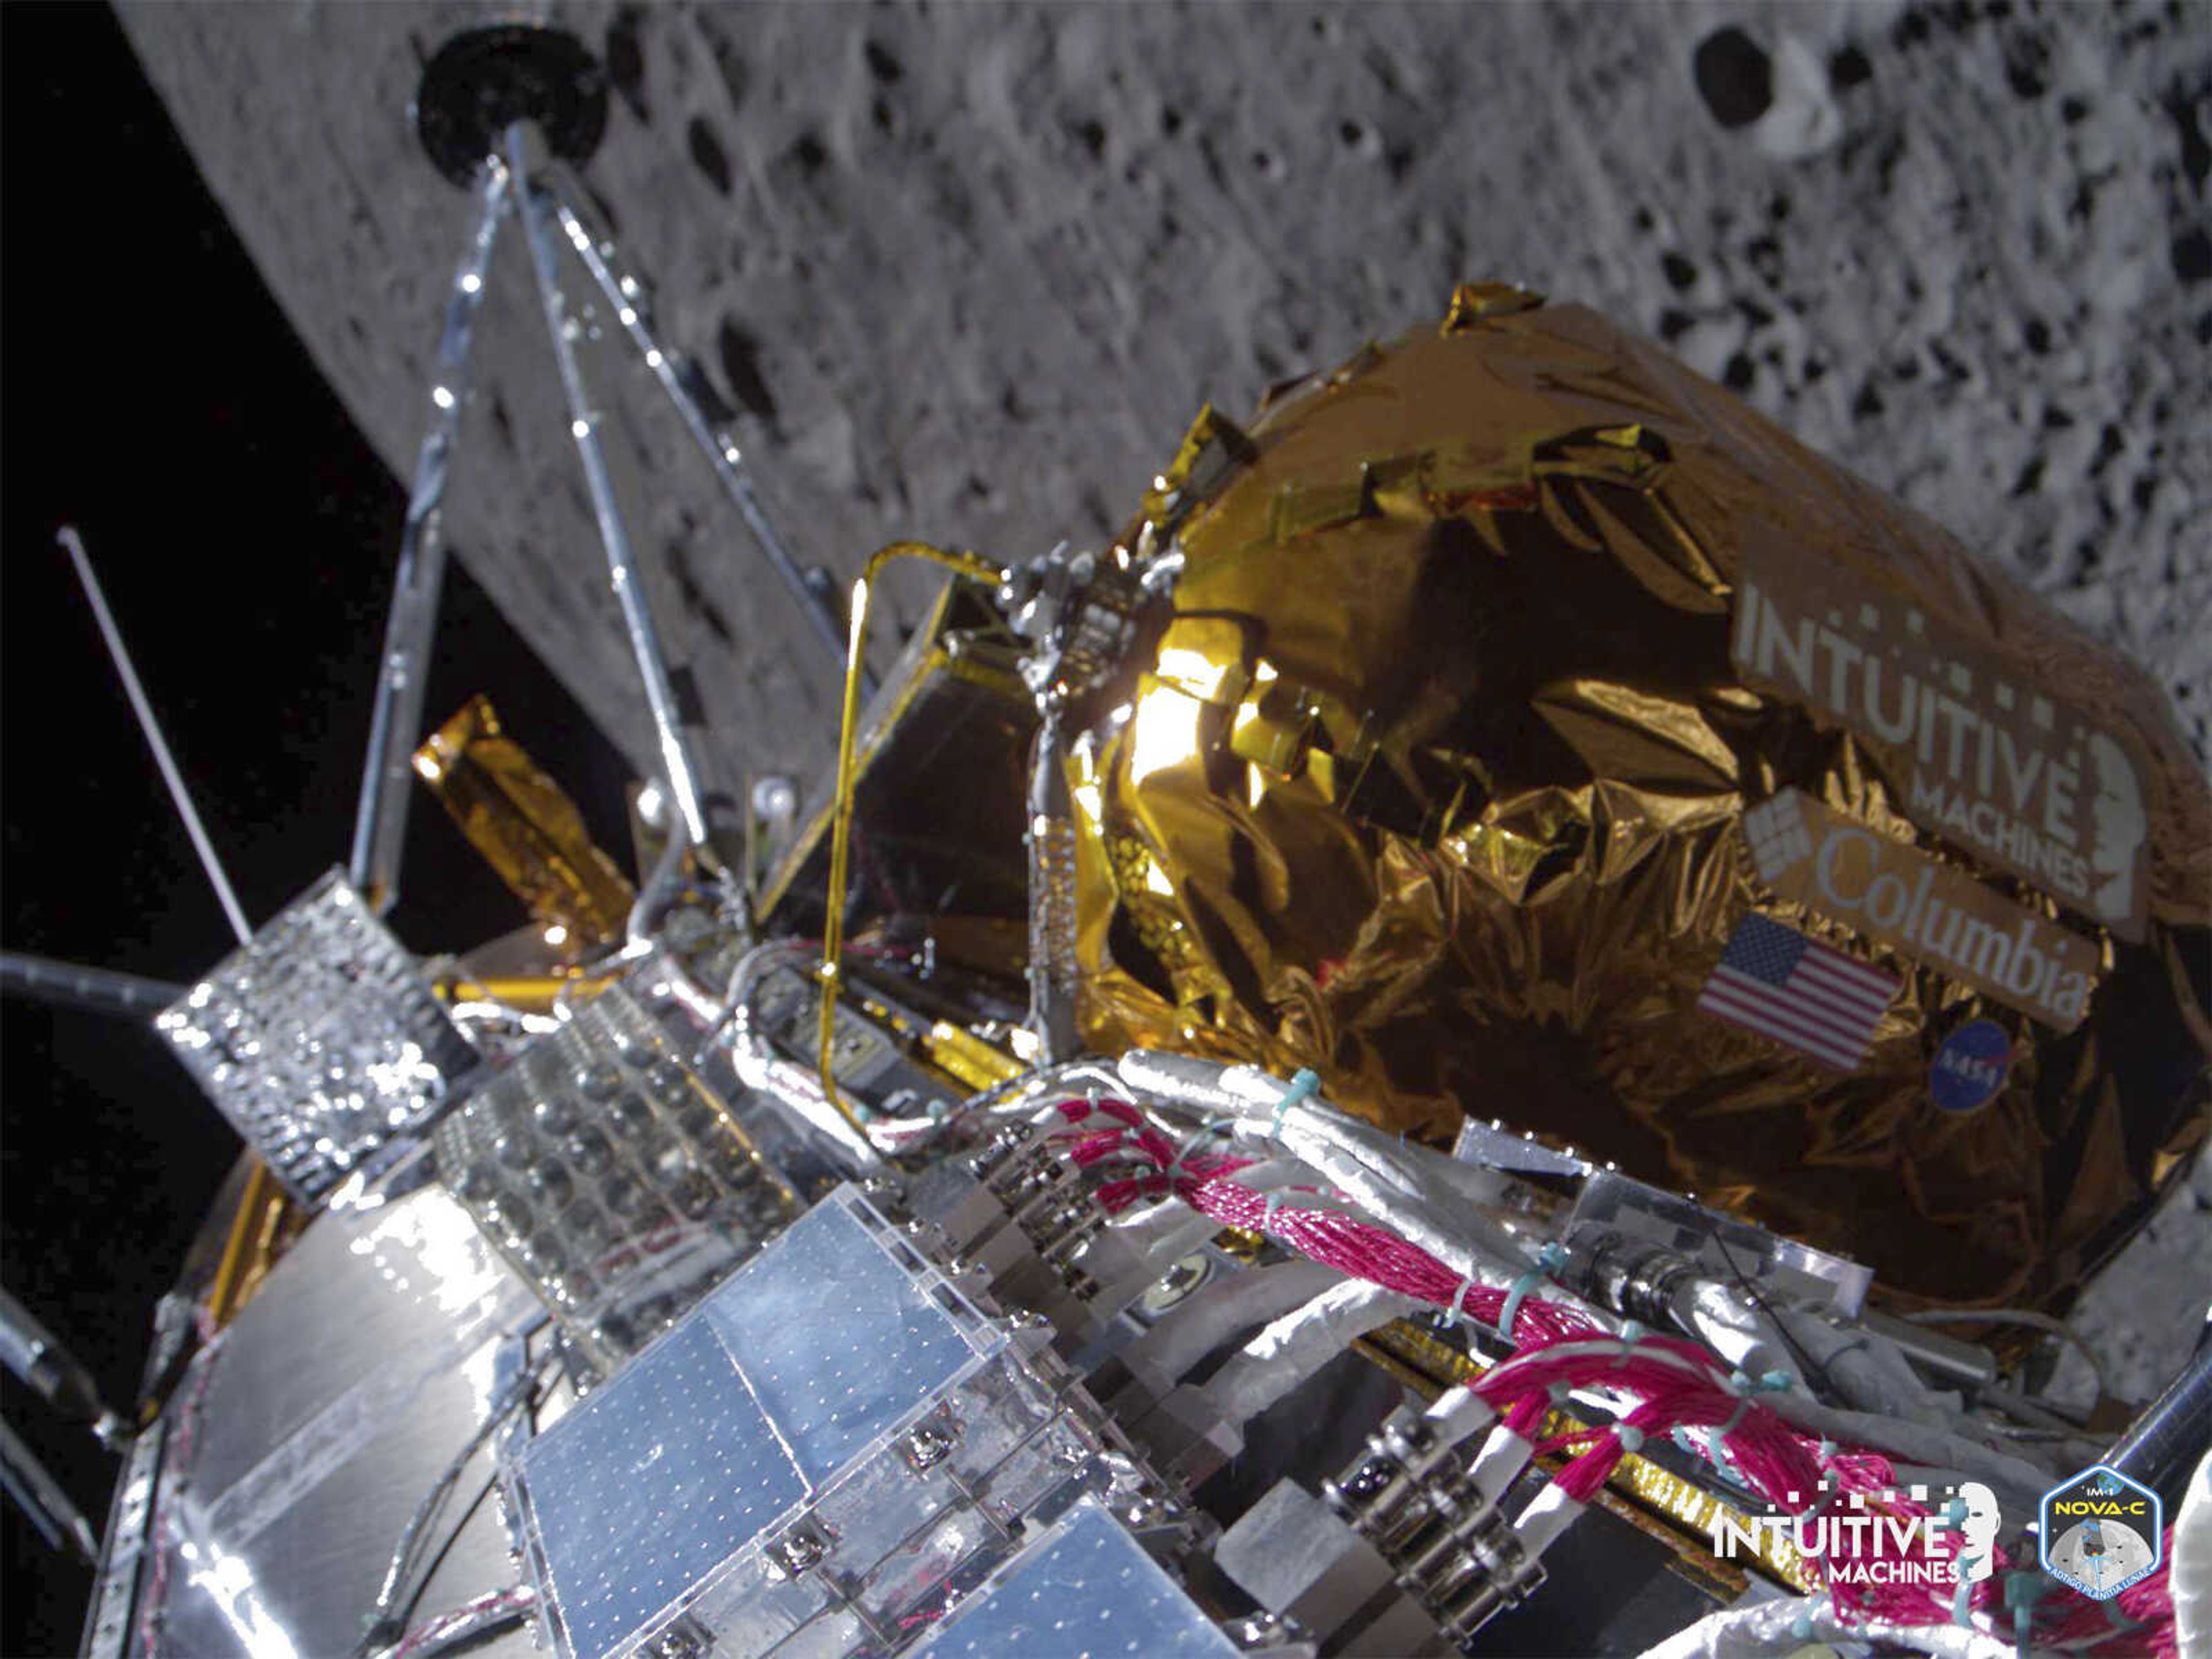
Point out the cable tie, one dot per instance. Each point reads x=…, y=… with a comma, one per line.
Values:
x=1547, y=1260
x=1632, y=1333
x=1742, y=1387
x=2022, y=1591
x=1305, y=1083
x=1630, y=1436
x=1192, y=1141
x=1466, y=1283
x=1560, y=1394
x=1962, y=1612
x=1506, y=1315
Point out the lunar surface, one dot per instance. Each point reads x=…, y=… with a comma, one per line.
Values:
x=966, y=272
x=2100, y=1553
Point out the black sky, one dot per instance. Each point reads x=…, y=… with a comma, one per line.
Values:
x=153, y=394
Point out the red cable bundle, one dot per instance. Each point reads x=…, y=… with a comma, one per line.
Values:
x=1678, y=1386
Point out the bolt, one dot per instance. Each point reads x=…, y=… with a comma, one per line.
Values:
x=927, y=1445
x=798, y=1550
x=1178, y=1282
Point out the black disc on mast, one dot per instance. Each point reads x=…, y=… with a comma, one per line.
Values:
x=483, y=81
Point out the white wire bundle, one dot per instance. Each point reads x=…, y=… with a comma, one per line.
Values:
x=2018, y=1484
x=1034, y=1094
x=1209, y=1317
x=1293, y=1347
x=1422, y=1196
x=1162, y=1228
x=1280, y=1172
x=1738, y=1330
x=1459, y=1412
x=1892, y=1411
x=1868, y=1372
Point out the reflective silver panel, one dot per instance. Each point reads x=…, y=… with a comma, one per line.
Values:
x=303, y=1440
x=611, y=1177
x=812, y=1461
x=319, y=1039
x=834, y=1385
x=648, y=1485
x=1086, y=1591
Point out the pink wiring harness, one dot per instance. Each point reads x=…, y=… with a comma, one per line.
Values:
x=1680, y=1388
x=432, y=1633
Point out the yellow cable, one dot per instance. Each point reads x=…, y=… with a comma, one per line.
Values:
x=972, y=565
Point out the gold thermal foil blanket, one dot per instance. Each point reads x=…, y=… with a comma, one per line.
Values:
x=527, y=829
x=1437, y=781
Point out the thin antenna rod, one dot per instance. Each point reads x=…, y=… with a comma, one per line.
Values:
x=69, y=539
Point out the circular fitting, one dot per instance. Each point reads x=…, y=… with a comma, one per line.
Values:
x=483, y=81
x=775, y=798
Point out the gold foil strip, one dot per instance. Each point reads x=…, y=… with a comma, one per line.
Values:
x=967, y=1059
x=527, y=829
x=263, y=1224
x=528, y=993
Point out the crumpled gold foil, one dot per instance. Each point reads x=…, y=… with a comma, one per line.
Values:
x=1434, y=779
x=527, y=827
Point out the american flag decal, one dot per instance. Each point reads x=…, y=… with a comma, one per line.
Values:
x=1774, y=981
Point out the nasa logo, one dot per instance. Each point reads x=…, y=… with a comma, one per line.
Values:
x=2101, y=1532
x=1971, y=1066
